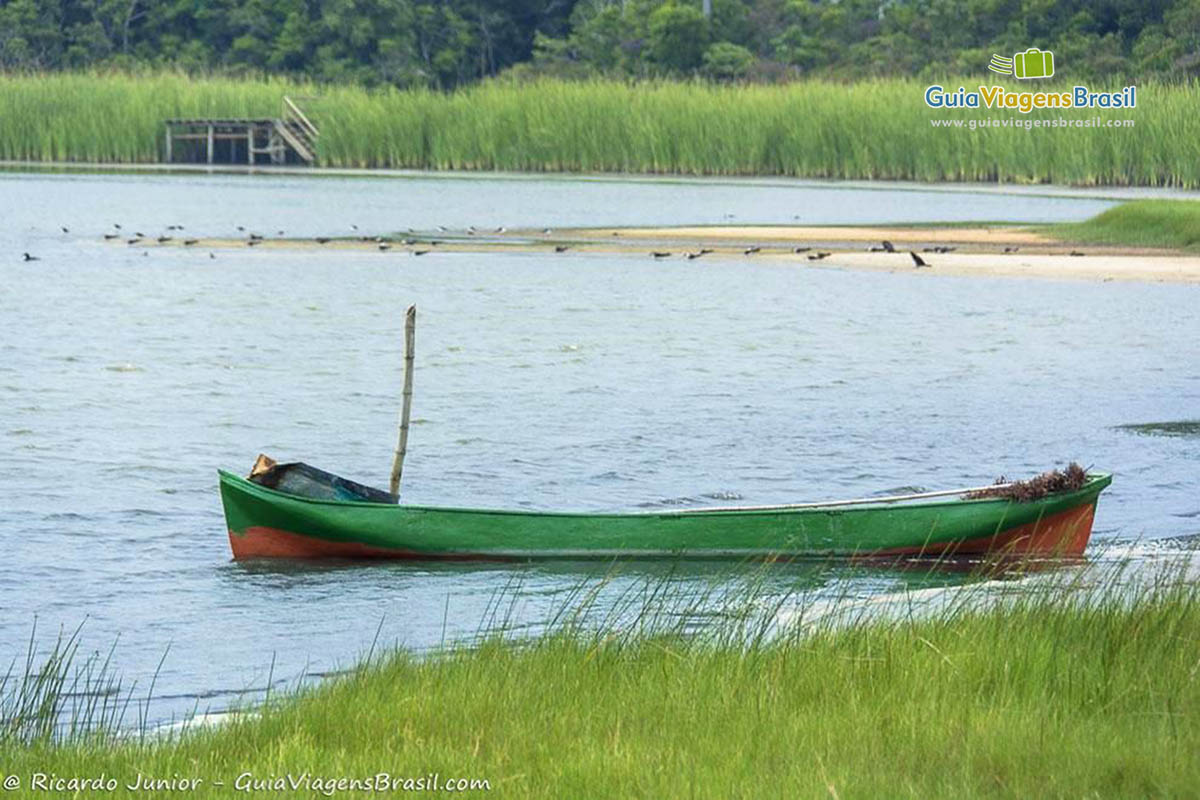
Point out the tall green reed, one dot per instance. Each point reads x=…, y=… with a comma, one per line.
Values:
x=875, y=129
x=57, y=694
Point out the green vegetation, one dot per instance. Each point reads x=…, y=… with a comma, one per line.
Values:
x=446, y=43
x=877, y=129
x=1140, y=223
x=398, y=42
x=117, y=118
x=1039, y=695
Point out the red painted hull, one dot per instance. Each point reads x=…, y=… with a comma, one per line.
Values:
x=263, y=542
x=1061, y=535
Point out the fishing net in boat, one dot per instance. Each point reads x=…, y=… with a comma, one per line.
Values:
x=1073, y=477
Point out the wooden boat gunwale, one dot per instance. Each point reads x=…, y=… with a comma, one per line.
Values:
x=840, y=506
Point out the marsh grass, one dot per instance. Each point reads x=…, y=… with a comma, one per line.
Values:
x=1054, y=687
x=1138, y=223
x=876, y=129
x=59, y=694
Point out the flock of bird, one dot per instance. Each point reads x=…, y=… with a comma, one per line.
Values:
x=384, y=243
x=885, y=247
x=135, y=238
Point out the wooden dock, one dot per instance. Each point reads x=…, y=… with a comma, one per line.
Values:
x=289, y=138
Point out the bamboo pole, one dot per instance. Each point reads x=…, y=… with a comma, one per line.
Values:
x=410, y=329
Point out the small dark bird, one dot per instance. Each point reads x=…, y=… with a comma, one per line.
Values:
x=501, y=229
x=139, y=234
x=888, y=246
x=322, y=239
x=616, y=233
x=435, y=242
x=749, y=251
x=562, y=248
x=211, y=255
x=419, y=252
x=189, y=242
x=659, y=254
x=1076, y=253
x=705, y=251
x=31, y=258
x=353, y=227
x=253, y=242
x=384, y=246
x=279, y=233
x=694, y=256
x=917, y=260
x=241, y=228
x=115, y=225
x=135, y=240
x=109, y=236
x=801, y=249
x=545, y=230
x=443, y=228
x=163, y=239
x=174, y=227
x=65, y=229
x=256, y=237
x=1011, y=249
x=818, y=256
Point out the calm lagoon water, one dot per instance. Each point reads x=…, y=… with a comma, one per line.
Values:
x=568, y=382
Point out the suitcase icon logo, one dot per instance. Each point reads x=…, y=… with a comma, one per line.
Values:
x=1033, y=63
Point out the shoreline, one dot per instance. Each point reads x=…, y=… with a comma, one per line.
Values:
x=1106, y=192
x=973, y=251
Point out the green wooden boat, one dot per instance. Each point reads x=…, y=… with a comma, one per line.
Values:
x=298, y=511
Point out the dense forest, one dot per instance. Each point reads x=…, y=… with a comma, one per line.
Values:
x=447, y=43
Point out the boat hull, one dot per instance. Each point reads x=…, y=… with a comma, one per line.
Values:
x=264, y=523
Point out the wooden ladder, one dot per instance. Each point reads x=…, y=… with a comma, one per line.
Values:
x=297, y=130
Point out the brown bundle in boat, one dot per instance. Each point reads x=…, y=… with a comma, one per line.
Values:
x=1073, y=477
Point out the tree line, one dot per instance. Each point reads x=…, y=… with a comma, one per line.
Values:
x=448, y=43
